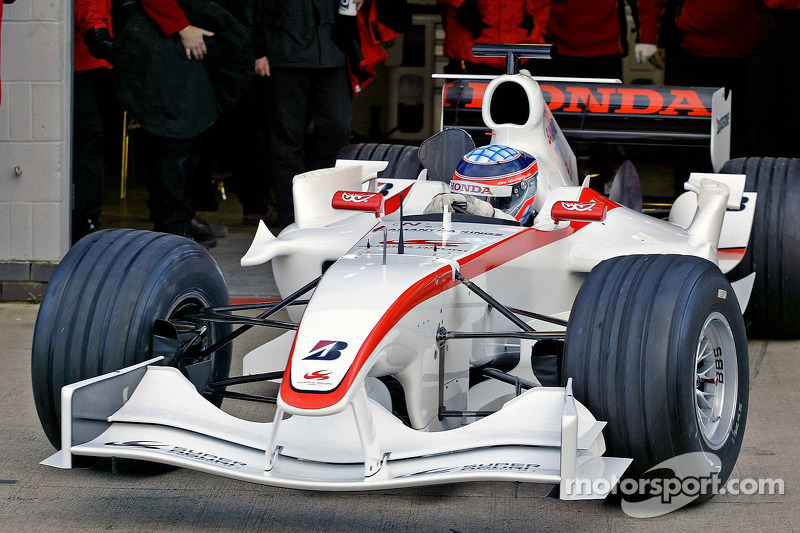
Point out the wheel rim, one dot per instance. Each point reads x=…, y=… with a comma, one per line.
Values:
x=192, y=300
x=716, y=380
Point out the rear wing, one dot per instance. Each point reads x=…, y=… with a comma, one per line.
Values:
x=607, y=112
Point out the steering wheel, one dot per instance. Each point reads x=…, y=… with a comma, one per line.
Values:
x=460, y=207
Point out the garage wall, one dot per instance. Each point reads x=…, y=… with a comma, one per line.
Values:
x=35, y=164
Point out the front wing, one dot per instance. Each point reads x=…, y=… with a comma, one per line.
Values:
x=153, y=413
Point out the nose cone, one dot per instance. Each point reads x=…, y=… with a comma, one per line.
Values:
x=348, y=321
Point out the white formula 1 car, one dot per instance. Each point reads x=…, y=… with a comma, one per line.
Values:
x=422, y=347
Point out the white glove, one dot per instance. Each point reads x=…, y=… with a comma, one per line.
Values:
x=644, y=52
x=470, y=204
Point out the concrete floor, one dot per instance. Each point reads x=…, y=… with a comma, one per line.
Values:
x=243, y=283
x=39, y=498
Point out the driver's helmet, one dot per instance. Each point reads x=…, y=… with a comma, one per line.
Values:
x=501, y=175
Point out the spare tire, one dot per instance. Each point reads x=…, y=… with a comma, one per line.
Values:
x=403, y=160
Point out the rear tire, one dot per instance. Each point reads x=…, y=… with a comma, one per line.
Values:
x=403, y=160
x=98, y=311
x=645, y=336
x=774, y=249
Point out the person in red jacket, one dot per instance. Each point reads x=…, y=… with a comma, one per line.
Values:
x=774, y=84
x=171, y=19
x=591, y=37
x=467, y=22
x=707, y=43
x=172, y=133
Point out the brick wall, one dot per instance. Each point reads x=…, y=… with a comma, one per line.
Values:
x=24, y=281
x=34, y=134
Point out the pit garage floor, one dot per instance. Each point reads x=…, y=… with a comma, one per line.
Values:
x=39, y=498
x=243, y=283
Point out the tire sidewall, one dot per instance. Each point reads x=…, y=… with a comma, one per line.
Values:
x=702, y=302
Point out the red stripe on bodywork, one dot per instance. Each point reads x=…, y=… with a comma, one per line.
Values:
x=244, y=301
x=731, y=254
x=393, y=204
x=473, y=265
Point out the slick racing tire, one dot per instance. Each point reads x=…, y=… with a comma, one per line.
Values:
x=97, y=313
x=773, y=252
x=656, y=346
x=403, y=160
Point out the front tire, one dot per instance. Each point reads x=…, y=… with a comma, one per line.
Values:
x=656, y=346
x=98, y=311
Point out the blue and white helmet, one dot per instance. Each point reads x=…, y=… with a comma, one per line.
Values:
x=501, y=175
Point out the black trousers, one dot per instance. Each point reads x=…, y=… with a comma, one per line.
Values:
x=90, y=88
x=774, y=85
x=170, y=205
x=236, y=142
x=294, y=98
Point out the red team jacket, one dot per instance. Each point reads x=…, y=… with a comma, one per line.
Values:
x=90, y=14
x=715, y=28
x=791, y=5
x=584, y=28
x=167, y=14
x=372, y=34
x=504, y=20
